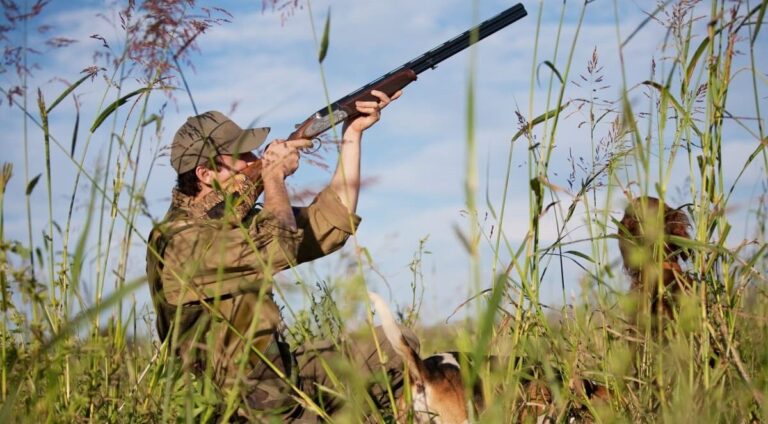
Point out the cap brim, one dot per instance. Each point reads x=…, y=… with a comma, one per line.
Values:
x=251, y=139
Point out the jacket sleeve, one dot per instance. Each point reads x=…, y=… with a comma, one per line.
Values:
x=214, y=260
x=326, y=223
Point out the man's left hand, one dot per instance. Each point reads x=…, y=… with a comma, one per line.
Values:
x=370, y=111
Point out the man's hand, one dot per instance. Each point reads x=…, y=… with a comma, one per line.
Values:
x=281, y=157
x=370, y=111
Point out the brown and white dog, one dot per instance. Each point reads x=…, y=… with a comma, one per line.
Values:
x=437, y=389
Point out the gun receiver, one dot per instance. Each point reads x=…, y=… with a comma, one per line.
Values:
x=389, y=83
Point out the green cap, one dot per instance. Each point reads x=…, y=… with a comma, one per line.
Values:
x=204, y=136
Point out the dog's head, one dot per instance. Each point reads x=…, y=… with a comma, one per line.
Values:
x=437, y=390
x=645, y=219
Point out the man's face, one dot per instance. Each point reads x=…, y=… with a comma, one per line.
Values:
x=227, y=165
x=225, y=168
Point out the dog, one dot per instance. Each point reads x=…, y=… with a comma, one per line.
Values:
x=436, y=385
x=640, y=227
x=439, y=393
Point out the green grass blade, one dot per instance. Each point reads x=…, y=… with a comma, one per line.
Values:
x=74, y=133
x=675, y=103
x=77, y=259
x=759, y=21
x=539, y=119
x=32, y=184
x=579, y=254
x=695, y=59
x=552, y=67
x=114, y=105
x=759, y=149
x=325, y=39
x=68, y=90
x=486, y=325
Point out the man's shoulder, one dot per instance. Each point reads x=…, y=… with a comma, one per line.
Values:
x=176, y=221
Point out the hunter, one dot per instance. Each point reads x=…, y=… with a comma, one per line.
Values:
x=211, y=276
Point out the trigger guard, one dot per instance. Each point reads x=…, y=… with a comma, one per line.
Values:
x=316, y=144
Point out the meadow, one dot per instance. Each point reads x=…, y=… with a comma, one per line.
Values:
x=75, y=345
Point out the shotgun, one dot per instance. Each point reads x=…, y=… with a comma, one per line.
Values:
x=389, y=83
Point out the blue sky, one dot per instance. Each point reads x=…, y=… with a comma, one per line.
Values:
x=265, y=70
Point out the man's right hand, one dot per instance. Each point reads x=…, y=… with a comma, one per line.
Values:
x=281, y=157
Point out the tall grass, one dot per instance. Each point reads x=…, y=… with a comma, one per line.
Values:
x=75, y=346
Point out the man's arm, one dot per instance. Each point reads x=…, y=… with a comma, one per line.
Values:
x=346, y=179
x=281, y=159
x=276, y=200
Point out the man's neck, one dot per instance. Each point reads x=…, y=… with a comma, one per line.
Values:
x=204, y=191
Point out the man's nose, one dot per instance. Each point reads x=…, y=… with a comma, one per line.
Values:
x=249, y=157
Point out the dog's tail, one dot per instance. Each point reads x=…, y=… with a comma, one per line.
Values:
x=397, y=340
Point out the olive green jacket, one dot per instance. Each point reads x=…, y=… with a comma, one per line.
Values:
x=194, y=261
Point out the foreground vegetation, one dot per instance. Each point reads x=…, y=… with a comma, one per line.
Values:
x=75, y=346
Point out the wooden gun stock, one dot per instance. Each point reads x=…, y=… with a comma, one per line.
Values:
x=253, y=173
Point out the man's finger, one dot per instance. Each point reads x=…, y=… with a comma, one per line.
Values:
x=301, y=143
x=381, y=95
x=366, y=104
x=371, y=110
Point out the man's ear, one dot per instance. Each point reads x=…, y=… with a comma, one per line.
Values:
x=204, y=174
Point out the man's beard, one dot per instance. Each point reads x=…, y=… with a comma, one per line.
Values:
x=234, y=201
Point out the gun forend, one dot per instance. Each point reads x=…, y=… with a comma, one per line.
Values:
x=322, y=120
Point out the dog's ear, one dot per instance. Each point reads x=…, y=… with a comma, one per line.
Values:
x=395, y=337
